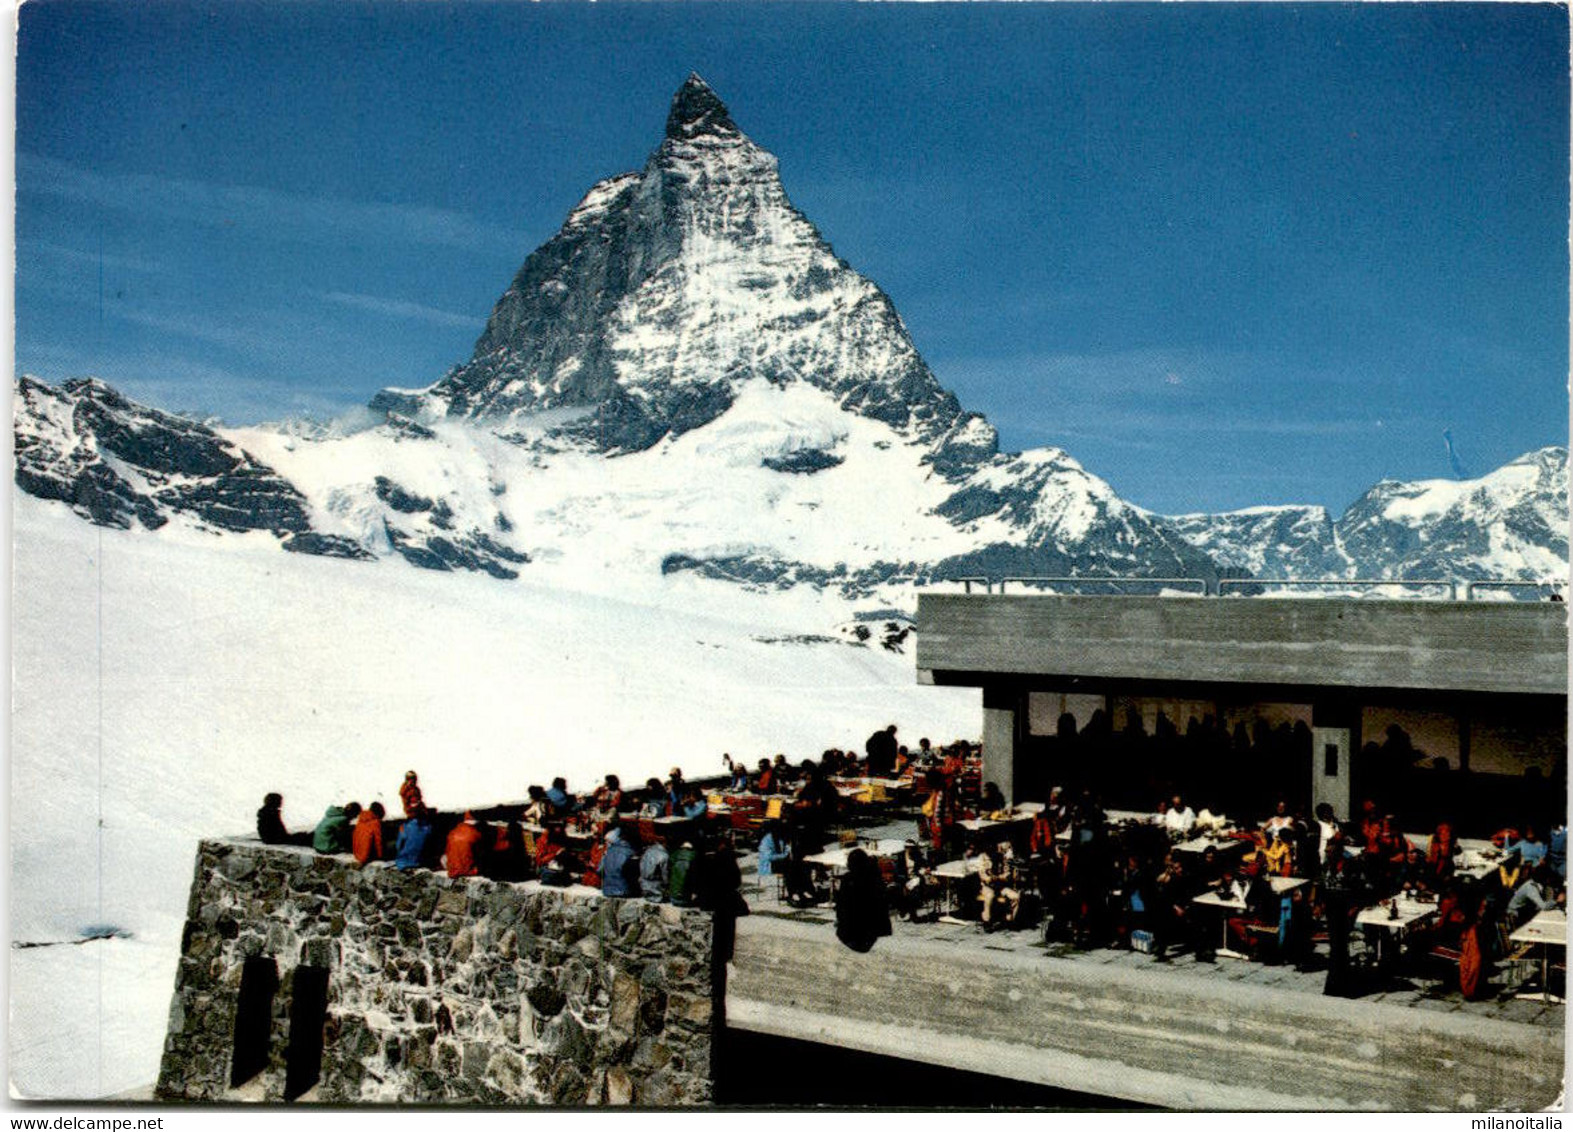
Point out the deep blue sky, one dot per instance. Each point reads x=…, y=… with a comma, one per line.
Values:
x=1224, y=254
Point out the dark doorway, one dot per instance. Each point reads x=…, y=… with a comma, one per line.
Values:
x=259, y=981
x=307, y=1015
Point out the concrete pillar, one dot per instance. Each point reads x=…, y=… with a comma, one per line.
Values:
x=1001, y=709
x=1335, y=735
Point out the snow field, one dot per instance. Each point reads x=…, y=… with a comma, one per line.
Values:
x=165, y=682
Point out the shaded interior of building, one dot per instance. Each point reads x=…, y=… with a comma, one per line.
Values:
x=1479, y=763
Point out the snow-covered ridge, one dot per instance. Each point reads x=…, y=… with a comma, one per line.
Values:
x=1509, y=524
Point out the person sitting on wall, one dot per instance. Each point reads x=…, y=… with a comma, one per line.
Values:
x=270, y=822
x=332, y=834
x=367, y=841
x=464, y=848
x=619, y=867
x=547, y=848
x=654, y=871
x=410, y=794
x=504, y=857
x=414, y=837
x=680, y=874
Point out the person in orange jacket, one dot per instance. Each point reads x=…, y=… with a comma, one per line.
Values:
x=367, y=839
x=464, y=848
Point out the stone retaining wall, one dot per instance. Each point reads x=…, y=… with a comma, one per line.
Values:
x=438, y=990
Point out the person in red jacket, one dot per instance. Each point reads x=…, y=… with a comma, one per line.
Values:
x=410, y=795
x=464, y=848
x=367, y=839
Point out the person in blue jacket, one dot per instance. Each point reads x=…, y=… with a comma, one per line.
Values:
x=414, y=835
x=562, y=802
x=619, y=874
x=773, y=849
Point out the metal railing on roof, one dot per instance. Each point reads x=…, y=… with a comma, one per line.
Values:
x=1457, y=589
x=1111, y=579
x=1356, y=583
x=1469, y=586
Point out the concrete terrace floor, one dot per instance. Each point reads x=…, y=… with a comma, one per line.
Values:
x=1409, y=989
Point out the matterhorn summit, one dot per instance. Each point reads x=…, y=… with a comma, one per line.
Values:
x=669, y=290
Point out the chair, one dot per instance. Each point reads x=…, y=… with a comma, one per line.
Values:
x=773, y=808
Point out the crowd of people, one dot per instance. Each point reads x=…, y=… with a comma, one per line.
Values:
x=1139, y=880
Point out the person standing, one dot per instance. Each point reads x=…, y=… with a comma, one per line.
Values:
x=880, y=748
x=410, y=794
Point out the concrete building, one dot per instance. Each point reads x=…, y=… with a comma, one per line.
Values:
x=1482, y=686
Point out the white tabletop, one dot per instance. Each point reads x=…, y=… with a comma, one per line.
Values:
x=836, y=859
x=974, y=825
x=1280, y=886
x=955, y=870
x=1549, y=927
x=1409, y=912
x=1198, y=844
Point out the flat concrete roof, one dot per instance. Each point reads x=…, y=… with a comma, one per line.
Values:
x=1429, y=646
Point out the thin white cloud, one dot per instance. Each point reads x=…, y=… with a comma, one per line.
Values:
x=217, y=205
x=398, y=308
x=61, y=254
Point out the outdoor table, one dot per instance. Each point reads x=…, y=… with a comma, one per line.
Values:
x=836, y=859
x=1114, y=817
x=952, y=872
x=1227, y=904
x=1548, y=929
x=1410, y=913
x=1204, y=842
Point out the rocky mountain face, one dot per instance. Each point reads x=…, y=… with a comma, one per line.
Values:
x=668, y=288
x=116, y=463
x=1509, y=524
x=685, y=384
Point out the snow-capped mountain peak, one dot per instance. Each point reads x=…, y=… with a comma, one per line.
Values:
x=668, y=288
